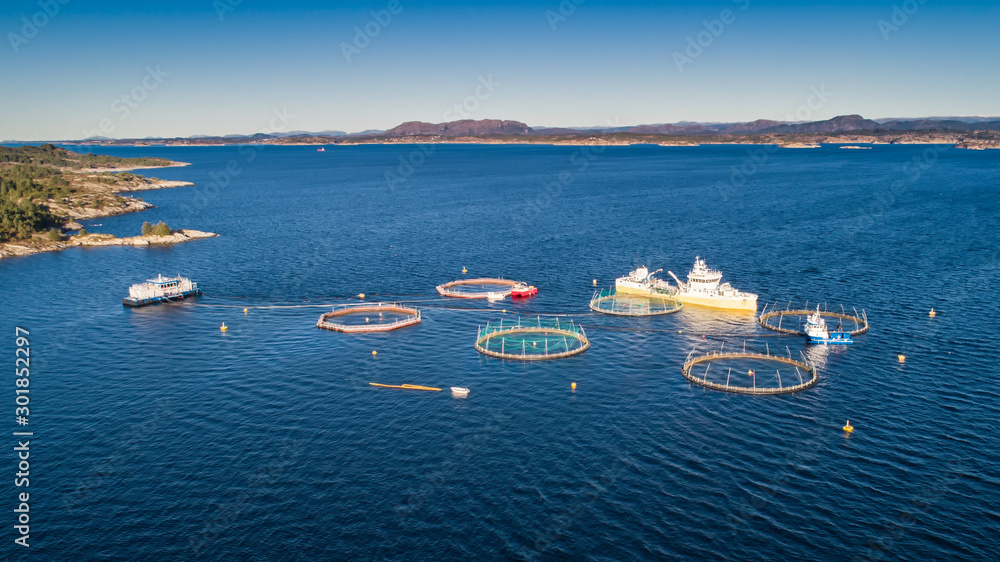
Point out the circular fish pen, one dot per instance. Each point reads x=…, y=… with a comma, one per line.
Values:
x=531, y=339
x=480, y=288
x=755, y=373
x=773, y=319
x=369, y=317
x=608, y=301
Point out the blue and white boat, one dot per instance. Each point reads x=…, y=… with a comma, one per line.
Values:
x=161, y=289
x=817, y=332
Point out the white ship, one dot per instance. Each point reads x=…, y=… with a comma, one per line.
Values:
x=643, y=282
x=703, y=288
x=161, y=289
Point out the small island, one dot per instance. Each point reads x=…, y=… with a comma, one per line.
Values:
x=45, y=190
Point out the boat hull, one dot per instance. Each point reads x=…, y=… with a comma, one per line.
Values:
x=631, y=289
x=833, y=339
x=136, y=303
x=728, y=303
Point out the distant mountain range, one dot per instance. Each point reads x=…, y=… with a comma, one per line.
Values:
x=498, y=130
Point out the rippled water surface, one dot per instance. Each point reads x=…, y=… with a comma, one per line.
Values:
x=157, y=436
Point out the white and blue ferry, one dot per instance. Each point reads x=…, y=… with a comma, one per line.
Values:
x=161, y=289
x=816, y=331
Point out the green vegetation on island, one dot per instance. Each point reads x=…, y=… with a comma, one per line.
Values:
x=44, y=189
x=52, y=156
x=159, y=229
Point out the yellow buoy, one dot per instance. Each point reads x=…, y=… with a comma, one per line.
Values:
x=366, y=319
x=224, y=327
x=932, y=314
x=572, y=385
x=374, y=353
x=595, y=282
x=244, y=311
x=464, y=270
x=848, y=428
x=679, y=332
x=361, y=295
x=901, y=358
x=505, y=311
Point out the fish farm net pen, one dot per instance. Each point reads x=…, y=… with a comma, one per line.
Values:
x=528, y=339
x=608, y=301
x=390, y=316
x=765, y=320
x=799, y=382
x=479, y=288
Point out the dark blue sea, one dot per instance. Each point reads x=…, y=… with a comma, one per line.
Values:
x=158, y=437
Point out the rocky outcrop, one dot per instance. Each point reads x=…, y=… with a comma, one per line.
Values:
x=38, y=244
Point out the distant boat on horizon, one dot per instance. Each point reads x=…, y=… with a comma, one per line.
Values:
x=321, y=149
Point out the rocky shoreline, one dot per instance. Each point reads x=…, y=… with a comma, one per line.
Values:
x=77, y=188
x=36, y=246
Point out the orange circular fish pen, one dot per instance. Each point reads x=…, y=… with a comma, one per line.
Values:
x=373, y=317
x=481, y=288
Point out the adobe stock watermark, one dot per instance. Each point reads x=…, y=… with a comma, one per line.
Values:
x=886, y=199
x=919, y=506
x=221, y=179
x=899, y=16
x=31, y=26
x=124, y=104
x=465, y=109
x=223, y=7
x=759, y=155
x=696, y=44
x=482, y=92
x=580, y=161
x=363, y=36
x=817, y=98
x=563, y=11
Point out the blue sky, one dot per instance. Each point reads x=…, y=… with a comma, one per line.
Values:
x=178, y=68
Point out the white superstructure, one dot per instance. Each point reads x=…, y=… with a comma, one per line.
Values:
x=704, y=287
x=642, y=282
x=161, y=288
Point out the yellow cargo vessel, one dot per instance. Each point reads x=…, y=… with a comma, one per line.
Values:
x=703, y=288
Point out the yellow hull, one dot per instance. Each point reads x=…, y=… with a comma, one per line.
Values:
x=749, y=304
x=631, y=291
x=620, y=290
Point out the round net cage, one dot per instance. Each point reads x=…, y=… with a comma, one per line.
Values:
x=608, y=301
x=750, y=372
x=531, y=339
x=480, y=288
x=369, y=317
x=790, y=319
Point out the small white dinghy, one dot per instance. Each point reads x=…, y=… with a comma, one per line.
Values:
x=459, y=392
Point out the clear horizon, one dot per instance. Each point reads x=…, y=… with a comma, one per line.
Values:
x=228, y=67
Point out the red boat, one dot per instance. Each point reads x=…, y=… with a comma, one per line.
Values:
x=523, y=290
